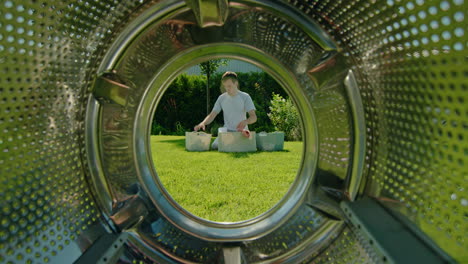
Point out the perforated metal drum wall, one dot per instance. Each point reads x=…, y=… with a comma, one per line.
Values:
x=47, y=50
x=412, y=56
x=410, y=63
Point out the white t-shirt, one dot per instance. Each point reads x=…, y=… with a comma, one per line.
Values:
x=234, y=108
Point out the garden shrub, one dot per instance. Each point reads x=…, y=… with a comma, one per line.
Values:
x=285, y=117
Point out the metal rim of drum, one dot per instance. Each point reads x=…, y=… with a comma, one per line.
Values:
x=212, y=231
x=199, y=227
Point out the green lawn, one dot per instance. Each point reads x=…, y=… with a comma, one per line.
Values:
x=224, y=187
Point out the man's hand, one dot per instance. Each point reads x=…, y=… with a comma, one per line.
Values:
x=208, y=119
x=241, y=125
x=201, y=125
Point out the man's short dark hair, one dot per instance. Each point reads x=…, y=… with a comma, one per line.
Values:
x=229, y=75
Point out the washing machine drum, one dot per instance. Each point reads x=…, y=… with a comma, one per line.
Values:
x=380, y=86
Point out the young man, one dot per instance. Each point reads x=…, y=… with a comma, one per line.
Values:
x=234, y=104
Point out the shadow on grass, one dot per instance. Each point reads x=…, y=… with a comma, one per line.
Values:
x=239, y=155
x=180, y=143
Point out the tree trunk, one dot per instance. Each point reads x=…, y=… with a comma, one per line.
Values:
x=208, y=93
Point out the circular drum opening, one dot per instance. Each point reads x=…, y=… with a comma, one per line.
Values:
x=245, y=177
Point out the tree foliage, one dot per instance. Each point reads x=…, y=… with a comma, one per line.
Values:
x=285, y=117
x=209, y=68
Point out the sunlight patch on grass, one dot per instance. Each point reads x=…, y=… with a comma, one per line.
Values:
x=224, y=187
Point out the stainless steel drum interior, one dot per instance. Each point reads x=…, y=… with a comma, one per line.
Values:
x=381, y=87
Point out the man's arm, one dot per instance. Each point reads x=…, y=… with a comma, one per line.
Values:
x=252, y=119
x=208, y=119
